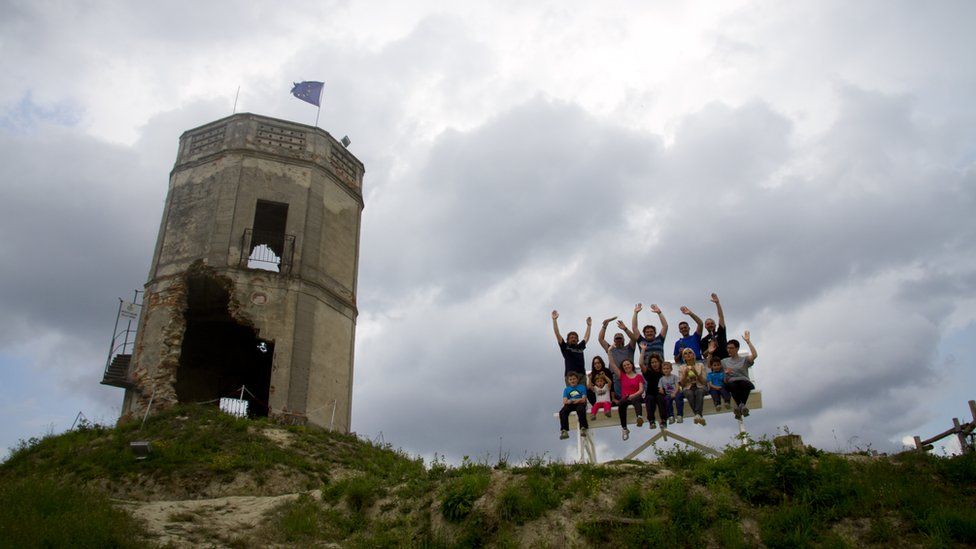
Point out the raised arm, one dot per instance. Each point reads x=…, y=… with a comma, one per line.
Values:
x=589, y=323
x=696, y=318
x=555, y=327
x=752, y=348
x=603, y=334
x=712, y=347
x=633, y=320
x=718, y=307
x=664, y=323
x=622, y=326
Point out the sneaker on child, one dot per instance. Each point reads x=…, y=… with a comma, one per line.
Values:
x=625, y=434
x=681, y=419
x=563, y=434
x=640, y=421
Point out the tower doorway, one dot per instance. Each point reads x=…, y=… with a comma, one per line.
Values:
x=220, y=355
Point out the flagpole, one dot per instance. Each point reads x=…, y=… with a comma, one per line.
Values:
x=319, y=109
x=238, y=94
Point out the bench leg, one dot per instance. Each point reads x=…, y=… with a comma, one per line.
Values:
x=652, y=440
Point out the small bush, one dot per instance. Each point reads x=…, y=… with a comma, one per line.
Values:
x=649, y=533
x=880, y=531
x=461, y=493
x=361, y=492
x=958, y=469
x=680, y=458
x=788, y=526
x=948, y=524
x=300, y=520
x=305, y=519
x=728, y=534
x=630, y=501
x=522, y=501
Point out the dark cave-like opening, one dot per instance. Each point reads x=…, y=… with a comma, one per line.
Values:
x=220, y=355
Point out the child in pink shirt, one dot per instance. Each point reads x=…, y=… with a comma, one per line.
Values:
x=602, y=392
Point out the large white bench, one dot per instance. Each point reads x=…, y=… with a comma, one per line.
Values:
x=587, y=450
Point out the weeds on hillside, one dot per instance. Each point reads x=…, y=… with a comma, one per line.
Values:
x=800, y=494
x=45, y=513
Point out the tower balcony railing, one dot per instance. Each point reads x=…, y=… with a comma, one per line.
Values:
x=267, y=251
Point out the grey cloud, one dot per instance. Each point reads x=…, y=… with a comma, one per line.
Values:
x=774, y=251
x=536, y=182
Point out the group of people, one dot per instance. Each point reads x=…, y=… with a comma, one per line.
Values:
x=707, y=363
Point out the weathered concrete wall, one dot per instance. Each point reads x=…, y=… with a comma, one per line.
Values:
x=222, y=170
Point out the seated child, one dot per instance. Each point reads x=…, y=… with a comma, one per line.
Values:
x=601, y=389
x=669, y=387
x=574, y=400
x=716, y=384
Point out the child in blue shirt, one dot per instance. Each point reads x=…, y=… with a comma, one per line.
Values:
x=574, y=400
x=716, y=384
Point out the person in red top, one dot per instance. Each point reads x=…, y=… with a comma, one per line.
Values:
x=631, y=393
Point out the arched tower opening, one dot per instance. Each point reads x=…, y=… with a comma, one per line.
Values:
x=220, y=355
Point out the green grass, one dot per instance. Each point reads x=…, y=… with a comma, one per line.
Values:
x=44, y=513
x=200, y=442
x=305, y=519
x=376, y=496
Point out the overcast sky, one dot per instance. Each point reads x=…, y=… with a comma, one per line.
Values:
x=812, y=162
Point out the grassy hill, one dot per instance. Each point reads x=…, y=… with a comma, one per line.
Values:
x=215, y=480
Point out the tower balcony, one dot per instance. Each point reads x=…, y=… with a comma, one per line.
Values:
x=267, y=251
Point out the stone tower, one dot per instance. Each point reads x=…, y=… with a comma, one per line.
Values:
x=253, y=280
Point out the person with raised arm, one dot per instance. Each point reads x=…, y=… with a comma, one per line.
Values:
x=737, y=374
x=688, y=340
x=716, y=333
x=618, y=351
x=651, y=340
x=572, y=348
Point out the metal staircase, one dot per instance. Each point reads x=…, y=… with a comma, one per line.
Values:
x=116, y=373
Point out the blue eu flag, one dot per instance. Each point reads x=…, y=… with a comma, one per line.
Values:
x=308, y=91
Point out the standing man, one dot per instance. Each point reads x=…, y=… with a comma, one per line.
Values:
x=718, y=334
x=688, y=340
x=649, y=335
x=572, y=348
